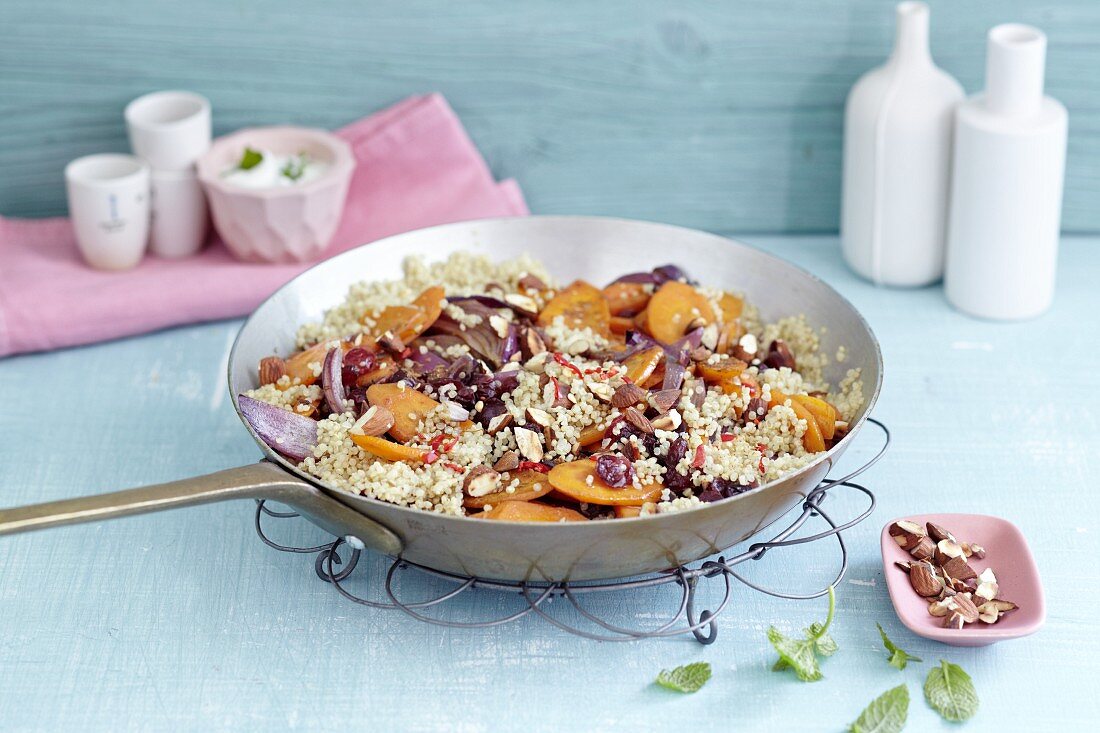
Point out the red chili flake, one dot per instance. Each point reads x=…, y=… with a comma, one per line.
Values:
x=700, y=457
x=437, y=440
x=533, y=466
x=754, y=387
x=568, y=364
x=760, y=466
x=455, y=467
x=431, y=457
x=727, y=437
x=447, y=448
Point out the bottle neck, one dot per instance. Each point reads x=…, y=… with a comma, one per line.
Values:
x=911, y=37
x=1015, y=65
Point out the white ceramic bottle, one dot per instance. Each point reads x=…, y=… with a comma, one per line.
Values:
x=897, y=158
x=1006, y=198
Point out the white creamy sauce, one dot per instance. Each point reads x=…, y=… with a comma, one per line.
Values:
x=271, y=171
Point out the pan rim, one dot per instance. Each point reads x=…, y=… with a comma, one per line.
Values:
x=339, y=494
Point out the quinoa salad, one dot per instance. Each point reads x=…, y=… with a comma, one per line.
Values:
x=471, y=387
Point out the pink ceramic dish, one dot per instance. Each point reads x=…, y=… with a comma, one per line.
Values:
x=1006, y=552
x=281, y=224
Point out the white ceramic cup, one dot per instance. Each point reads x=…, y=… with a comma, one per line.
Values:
x=180, y=218
x=109, y=208
x=170, y=129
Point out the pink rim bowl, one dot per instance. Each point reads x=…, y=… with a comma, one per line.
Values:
x=1006, y=552
x=285, y=224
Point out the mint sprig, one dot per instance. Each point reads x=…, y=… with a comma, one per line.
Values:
x=250, y=158
x=898, y=656
x=688, y=678
x=950, y=691
x=801, y=654
x=295, y=167
x=887, y=713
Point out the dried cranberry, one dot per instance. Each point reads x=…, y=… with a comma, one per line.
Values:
x=728, y=488
x=779, y=355
x=709, y=495
x=356, y=362
x=676, y=452
x=616, y=471
x=492, y=408
x=676, y=481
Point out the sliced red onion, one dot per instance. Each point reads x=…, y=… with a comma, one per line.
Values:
x=332, y=381
x=664, y=273
x=674, y=374
x=286, y=432
x=428, y=361
x=509, y=345
x=645, y=278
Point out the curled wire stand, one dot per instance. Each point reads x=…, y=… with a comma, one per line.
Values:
x=537, y=598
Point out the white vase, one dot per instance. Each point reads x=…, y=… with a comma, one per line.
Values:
x=1006, y=198
x=897, y=157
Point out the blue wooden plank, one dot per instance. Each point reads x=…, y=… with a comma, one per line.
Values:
x=184, y=621
x=720, y=116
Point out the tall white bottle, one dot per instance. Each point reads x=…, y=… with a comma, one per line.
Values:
x=897, y=158
x=1006, y=198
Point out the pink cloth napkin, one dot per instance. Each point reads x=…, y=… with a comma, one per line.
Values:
x=417, y=167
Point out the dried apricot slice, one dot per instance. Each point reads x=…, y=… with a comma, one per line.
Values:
x=395, y=319
x=390, y=451
x=731, y=307
x=530, y=511
x=430, y=306
x=532, y=485
x=640, y=366
x=626, y=299
x=297, y=365
x=625, y=512
x=824, y=413
x=581, y=305
x=673, y=308
x=579, y=481
x=812, y=439
x=725, y=370
x=591, y=434
x=621, y=324
x=408, y=406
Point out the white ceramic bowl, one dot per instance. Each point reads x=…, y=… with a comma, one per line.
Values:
x=278, y=224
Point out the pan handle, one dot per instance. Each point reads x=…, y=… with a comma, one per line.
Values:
x=262, y=480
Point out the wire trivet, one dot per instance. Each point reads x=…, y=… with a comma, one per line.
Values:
x=331, y=567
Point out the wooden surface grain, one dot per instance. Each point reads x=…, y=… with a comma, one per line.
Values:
x=723, y=116
x=184, y=621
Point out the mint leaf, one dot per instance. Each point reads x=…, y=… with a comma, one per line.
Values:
x=887, y=713
x=801, y=654
x=294, y=167
x=951, y=692
x=898, y=657
x=688, y=678
x=250, y=159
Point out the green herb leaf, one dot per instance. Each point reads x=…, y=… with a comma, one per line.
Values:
x=250, y=159
x=898, y=656
x=887, y=713
x=951, y=692
x=295, y=167
x=801, y=654
x=688, y=678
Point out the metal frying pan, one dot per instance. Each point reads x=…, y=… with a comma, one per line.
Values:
x=596, y=249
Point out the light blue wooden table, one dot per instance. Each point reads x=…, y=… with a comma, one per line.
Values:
x=185, y=621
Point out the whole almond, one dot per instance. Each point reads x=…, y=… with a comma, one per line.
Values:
x=638, y=420
x=958, y=569
x=272, y=369
x=907, y=535
x=924, y=549
x=481, y=480
x=529, y=443
x=665, y=400
x=937, y=532
x=377, y=420
x=507, y=462
x=628, y=395
x=924, y=581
